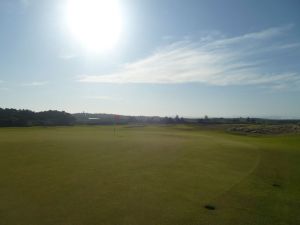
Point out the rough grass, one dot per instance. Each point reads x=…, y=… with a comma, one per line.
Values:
x=265, y=129
x=147, y=175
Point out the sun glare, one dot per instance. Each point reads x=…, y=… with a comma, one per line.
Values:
x=96, y=24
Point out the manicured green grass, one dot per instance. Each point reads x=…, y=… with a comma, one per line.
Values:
x=147, y=176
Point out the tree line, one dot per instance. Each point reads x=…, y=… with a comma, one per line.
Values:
x=23, y=118
x=20, y=118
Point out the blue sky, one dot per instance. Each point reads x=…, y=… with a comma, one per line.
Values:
x=191, y=58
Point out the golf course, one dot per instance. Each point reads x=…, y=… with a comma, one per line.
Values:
x=147, y=175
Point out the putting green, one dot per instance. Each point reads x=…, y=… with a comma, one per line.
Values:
x=147, y=175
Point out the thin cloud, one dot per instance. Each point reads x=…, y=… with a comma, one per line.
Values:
x=68, y=56
x=34, y=84
x=105, y=98
x=261, y=35
x=241, y=60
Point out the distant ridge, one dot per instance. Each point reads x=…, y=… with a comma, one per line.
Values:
x=23, y=117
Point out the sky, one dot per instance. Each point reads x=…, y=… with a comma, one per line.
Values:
x=153, y=57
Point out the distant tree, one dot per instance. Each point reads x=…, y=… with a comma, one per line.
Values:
x=13, y=117
x=168, y=120
x=132, y=119
x=182, y=120
x=171, y=120
x=179, y=120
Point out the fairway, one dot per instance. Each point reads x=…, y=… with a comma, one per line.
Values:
x=152, y=175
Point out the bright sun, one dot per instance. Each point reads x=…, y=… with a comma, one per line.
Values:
x=96, y=24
